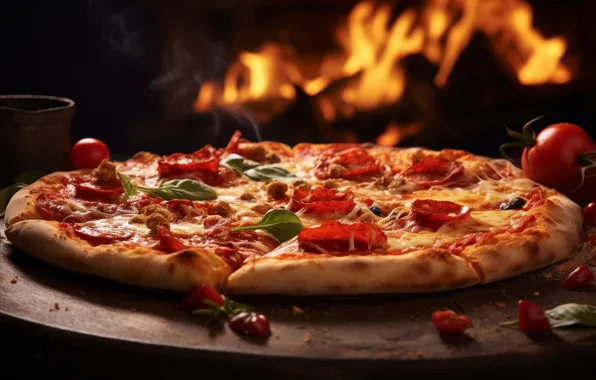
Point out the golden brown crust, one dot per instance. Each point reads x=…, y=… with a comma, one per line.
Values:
x=555, y=235
x=420, y=271
x=22, y=203
x=179, y=271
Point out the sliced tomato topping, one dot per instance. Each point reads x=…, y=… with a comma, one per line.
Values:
x=234, y=142
x=91, y=191
x=431, y=171
x=334, y=236
x=354, y=160
x=203, y=160
x=535, y=199
x=168, y=242
x=96, y=236
x=429, y=211
x=322, y=200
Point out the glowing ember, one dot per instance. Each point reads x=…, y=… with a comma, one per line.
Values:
x=368, y=75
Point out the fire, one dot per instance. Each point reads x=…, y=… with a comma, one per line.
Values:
x=367, y=74
x=394, y=133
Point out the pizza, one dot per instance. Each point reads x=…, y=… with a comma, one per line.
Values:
x=312, y=219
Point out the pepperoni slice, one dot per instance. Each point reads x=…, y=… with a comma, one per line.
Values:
x=334, y=236
x=430, y=171
x=432, y=211
x=355, y=161
x=96, y=236
x=203, y=160
x=168, y=242
x=91, y=191
x=321, y=200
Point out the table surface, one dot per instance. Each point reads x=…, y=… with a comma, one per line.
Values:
x=49, y=314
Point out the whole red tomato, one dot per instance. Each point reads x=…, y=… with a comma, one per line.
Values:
x=88, y=153
x=555, y=158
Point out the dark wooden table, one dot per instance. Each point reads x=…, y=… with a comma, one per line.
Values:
x=56, y=322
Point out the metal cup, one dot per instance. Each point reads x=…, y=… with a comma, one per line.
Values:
x=34, y=134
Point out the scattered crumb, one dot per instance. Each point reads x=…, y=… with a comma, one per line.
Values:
x=536, y=294
x=66, y=309
x=14, y=280
x=277, y=337
x=498, y=329
x=297, y=310
x=566, y=267
x=548, y=275
x=57, y=306
x=307, y=337
x=301, y=327
x=51, y=310
x=500, y=304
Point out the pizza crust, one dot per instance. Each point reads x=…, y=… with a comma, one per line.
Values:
x=22, y=204
x=179, y=271
x=555, y=236
x=420, y=271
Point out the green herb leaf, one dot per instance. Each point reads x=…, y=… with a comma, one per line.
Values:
x=209, y=312
x=254, y=170
x=268, y=172
x=239, y=163
x=173, y=189
x=181, y=189
x=572, y=314
x=568, y=314
x=282, y=224
x=129, y=188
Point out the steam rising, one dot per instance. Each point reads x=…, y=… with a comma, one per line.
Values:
x=132, y=32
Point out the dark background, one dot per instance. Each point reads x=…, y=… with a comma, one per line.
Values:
x=106, y=55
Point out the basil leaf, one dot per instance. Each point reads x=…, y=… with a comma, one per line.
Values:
x=572, y=314
x=239, y=163
x=173, y=189
x=254, y=170
x=181, y=189
x=567, y=315
x=282, y=224
x=128, y=187
x=267, y=172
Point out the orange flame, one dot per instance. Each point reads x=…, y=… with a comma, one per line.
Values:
x=368, y=75
x=394, y=133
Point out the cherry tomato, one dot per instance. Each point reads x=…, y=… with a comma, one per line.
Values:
x=196, y=299
x=579, y=277
x=88, y=153
x=553, y=160
x=590, y=213
x=250, y=323
x=531, y=318
x=448, y=321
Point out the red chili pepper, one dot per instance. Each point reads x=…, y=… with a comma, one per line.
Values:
x=579, y=277
x=250, y=323
x=196, y=299
x=531, y=318
x=448, y=321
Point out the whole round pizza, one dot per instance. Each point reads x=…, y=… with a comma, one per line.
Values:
x=313, y=219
